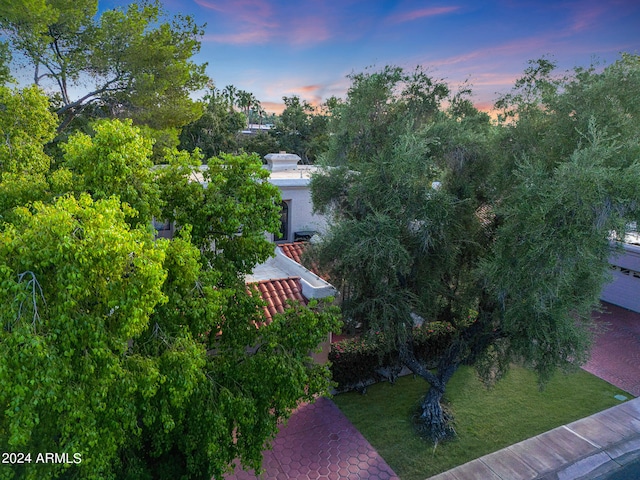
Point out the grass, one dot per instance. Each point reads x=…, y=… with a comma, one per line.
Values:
x=486, y=420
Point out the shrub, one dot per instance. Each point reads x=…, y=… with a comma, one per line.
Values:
x=363, y=360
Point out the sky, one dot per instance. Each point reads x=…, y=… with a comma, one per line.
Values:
x=276, y=48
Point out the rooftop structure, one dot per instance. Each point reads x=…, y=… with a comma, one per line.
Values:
x=280, y=266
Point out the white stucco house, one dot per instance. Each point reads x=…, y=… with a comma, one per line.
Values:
x=282, y=277
x=298, y=220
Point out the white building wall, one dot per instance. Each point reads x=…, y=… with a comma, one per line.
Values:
x=301, y=216
x=624, y=289
x=294, y=180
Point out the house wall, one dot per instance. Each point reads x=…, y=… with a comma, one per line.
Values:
x=624, y=289
x=301, y=216
x=294, y=180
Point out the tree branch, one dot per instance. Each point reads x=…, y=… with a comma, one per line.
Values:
x=35, y=289
x=95, y=93
x=409, y=359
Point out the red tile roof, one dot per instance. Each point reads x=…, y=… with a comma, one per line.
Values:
x=276, y=292
x=293, y=250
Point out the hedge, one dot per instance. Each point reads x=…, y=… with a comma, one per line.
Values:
x=361, y=361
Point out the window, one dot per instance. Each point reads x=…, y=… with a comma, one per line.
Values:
x=284, y=222
x=161, y=226
x=164, y=229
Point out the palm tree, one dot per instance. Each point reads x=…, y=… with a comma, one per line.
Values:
x=230, y=93
x=246, y=100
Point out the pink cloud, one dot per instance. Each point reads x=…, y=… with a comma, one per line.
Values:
x=457, y=59
x=273, y=107
x=309, y=88
x=210, y=5
x=491, y=79
x=589, y=15
x=311, y=93
x=306, y=87
x=422, y=13
x=585, y=19
x=309, y=30
x=240, y=38
x=304, y=24
x=249, y=21
x=527, y=46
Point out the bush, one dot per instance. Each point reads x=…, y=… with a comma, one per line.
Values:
x=363, y=360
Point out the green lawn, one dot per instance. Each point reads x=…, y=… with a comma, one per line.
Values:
x=486, y=420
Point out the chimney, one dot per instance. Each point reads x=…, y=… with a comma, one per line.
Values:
x=277, y=162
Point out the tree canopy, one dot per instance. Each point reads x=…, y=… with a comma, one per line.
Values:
x=131, y=356
x=502, y=231
x=135, y=63
x=216, y=131
x=302, y=129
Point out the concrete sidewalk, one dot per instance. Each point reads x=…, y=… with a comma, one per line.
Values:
x=585, y=449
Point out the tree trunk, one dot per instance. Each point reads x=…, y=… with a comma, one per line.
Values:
x=431, y=421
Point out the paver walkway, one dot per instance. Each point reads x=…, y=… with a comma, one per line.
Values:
x=615, y=356
x=319, y=442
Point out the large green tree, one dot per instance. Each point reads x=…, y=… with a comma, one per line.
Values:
x=126, y=63
x=130, y=356
x=26, y=125
x=301, y=128
x=503, y=232
x=115, y=160
x=217, y=130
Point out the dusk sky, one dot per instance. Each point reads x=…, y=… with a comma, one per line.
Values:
x=276, y=48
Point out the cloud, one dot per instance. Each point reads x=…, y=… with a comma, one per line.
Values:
x=254, y=12
x=273, y=107
x=245, y=21
x=484, y=58
x=210, y=5
x=309, y=88
x=308, y=31
x=239, y=38
x=585, y=19
x=421, y=13
x=588, y=15
x=493, y=79
x=301, y=25
x=312, y=91
x=314, y=94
